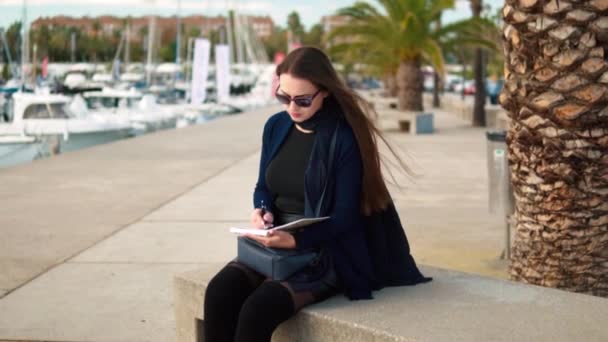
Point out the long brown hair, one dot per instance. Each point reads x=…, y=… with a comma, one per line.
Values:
x=312, y=64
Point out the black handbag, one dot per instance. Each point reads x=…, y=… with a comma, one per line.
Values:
x=276, y=263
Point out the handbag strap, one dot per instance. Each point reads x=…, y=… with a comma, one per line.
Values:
x=332, y=150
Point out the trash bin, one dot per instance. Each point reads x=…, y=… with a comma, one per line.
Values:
x=501, y=200
x=500, y=192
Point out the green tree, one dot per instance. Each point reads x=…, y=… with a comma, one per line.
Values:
x=59, y=44
x=277, y=42
x=193, y=32
x=295, y=25
x=143, y=31
x=41, y=37
x=167, y=52
x=137, y=52
x=314, y=37
x=96, y=28
x=214, y=37
x=397, y=39
x=401, y=32
x=479, y=113
x=495, y=57
x=13, y=38
x=5, y=72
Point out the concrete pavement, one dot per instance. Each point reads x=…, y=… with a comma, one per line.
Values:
x=92, y=239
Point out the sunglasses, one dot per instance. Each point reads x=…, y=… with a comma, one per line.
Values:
x=300, y=101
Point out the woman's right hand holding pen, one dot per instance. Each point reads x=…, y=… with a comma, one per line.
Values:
x=261, y=219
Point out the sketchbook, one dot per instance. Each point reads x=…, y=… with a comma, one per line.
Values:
x=289, y=227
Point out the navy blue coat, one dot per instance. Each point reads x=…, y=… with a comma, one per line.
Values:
x=347, y=233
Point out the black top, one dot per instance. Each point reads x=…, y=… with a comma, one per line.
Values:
x=285, y=173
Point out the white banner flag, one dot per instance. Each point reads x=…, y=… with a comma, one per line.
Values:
x=222, y=76
x=200, y=70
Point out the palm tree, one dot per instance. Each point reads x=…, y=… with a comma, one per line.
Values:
x=398, y=38
x=401, y=30
x=555, y=93
x=469, y=35
x=479, y=113
x=436, y=77
x=378, y=61
x=96, y=28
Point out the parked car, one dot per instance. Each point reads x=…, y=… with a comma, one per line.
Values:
x=469, y=88
x=458, y=87
x=429, y=83
x=371, y=83
x=451, y=81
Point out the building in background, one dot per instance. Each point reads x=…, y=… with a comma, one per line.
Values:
x=107, y=25
x=331, y=22
x=262, y=26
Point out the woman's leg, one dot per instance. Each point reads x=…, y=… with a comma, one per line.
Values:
x=271, y=304
x=267, y=307
x=224, y=297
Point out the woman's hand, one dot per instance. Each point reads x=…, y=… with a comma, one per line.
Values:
x=275, y=239
x=261, y=219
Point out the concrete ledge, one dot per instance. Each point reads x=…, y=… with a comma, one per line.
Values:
x=454, y=307
x=413, y=122
x=496, y=116
x=379, y=102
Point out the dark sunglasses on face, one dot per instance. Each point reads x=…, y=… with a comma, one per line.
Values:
x=300, y=101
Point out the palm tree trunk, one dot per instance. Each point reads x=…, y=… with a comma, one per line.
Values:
x=479, y=113
x=479, y=110
x=410, y=83
x=390, y=83
x=436, y=78
x=555, y=93
x=436, y=85
x=464, y=76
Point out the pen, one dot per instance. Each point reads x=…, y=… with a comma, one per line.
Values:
x=264, y=210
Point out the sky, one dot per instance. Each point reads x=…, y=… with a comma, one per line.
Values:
x=310, y=11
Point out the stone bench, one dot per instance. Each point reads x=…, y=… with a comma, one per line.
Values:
x=381, y=102
x=453, y=307
x=386, y=109
x=413, y=122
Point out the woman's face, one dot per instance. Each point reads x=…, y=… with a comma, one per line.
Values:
x=298, y=88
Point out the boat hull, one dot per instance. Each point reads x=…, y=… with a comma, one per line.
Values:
x=77, y=141
x=18, y=153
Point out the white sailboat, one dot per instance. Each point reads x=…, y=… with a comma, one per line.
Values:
x=252, y=69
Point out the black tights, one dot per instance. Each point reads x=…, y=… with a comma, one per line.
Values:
x=241, y=306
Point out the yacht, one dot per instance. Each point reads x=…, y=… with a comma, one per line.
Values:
x=19, y=149
x=191, y=114
x=140, y=110
x=46, y=115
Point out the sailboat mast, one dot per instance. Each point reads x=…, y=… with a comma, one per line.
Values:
x=238, y=28
x=178, y=38
x=127, y=46
x=73, y=47
x=150, y=45
x=24, y=43
x=229, y=31
x=7, y=52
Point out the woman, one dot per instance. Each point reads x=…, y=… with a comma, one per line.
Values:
x=295, y=169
